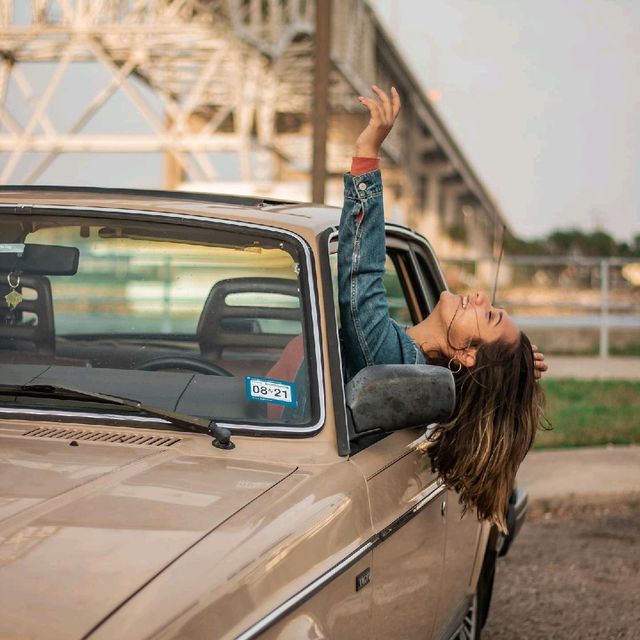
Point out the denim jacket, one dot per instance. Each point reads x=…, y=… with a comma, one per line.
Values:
x=369, y=334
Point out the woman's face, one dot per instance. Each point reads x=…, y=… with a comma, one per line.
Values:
x=470, y=320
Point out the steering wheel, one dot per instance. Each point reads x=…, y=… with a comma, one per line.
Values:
x=192, y=363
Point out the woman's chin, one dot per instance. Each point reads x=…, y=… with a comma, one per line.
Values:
x=447, y=305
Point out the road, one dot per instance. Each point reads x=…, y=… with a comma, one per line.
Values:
x=574, y=572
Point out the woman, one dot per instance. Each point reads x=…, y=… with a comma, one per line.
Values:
x=499, y=404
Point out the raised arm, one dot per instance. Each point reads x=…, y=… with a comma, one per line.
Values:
x=370, y=336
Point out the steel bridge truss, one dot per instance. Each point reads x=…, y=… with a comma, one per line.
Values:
x=231, y=76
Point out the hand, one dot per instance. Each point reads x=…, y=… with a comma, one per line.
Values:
x=384, y=112
x=539, y=365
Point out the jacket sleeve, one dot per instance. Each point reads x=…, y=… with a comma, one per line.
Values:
x=369, y=334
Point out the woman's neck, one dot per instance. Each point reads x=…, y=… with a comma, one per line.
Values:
x=428, y=335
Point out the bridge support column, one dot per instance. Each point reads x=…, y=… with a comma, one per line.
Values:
x=432, y=224
x=432, y=174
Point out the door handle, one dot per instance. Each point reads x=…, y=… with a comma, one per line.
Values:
x=443, y=508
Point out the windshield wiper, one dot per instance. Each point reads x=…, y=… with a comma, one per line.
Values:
x=221, y=436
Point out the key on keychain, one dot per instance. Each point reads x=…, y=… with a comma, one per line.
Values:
x=13, y=298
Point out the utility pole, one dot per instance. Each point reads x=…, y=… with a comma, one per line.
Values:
x=320, y=114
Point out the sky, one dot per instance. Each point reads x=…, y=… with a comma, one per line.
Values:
x=543, y=96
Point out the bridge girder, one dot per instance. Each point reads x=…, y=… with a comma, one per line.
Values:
x=229, y=75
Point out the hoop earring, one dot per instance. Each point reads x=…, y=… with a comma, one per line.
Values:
x=459, y=369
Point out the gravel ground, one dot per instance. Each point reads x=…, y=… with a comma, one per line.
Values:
x=573, y=572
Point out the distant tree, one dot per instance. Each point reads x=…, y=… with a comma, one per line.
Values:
x=520, y=247
x=562, y=242
x=625, y=249
x=599, y=243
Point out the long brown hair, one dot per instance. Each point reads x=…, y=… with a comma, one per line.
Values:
x=499, y=406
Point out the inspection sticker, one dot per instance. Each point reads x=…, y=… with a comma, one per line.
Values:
x=268, y=390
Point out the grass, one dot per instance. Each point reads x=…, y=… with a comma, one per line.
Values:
x=632, y=349
x=591, y=412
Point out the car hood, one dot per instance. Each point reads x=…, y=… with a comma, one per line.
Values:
x=82, y=528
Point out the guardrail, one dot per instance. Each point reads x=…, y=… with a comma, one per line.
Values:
x=566, y=292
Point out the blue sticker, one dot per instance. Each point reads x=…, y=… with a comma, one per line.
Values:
x=267, y=390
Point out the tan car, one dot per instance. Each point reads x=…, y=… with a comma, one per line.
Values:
x=179, y=455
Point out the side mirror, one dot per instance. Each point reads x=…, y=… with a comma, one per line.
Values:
x=390, y=397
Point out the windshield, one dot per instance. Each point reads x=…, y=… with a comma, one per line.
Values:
x=207, y=321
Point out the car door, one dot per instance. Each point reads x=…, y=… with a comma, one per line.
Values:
x=407, y=564
x=405, y=498
x=462, y=538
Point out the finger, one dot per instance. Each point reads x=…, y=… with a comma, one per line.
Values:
x=388, y=107
x=386, y=104
x=538, y=356
x=395, y=102
x=373, y=106
x=534, y=347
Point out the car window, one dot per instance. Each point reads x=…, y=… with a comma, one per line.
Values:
x=210, y=322
x=401, y=307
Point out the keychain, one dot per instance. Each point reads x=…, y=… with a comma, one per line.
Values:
x=13, y=298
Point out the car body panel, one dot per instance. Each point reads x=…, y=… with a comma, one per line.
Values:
x=119, y=513
x=282, y=537
x=463, y=537
x=297, y=532
x=408, y=562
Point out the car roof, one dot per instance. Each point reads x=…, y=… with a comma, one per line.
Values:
x=294, y=216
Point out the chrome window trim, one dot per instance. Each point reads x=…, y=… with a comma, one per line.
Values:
x=429, y=494
x=333, y=238
x=313, y=299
